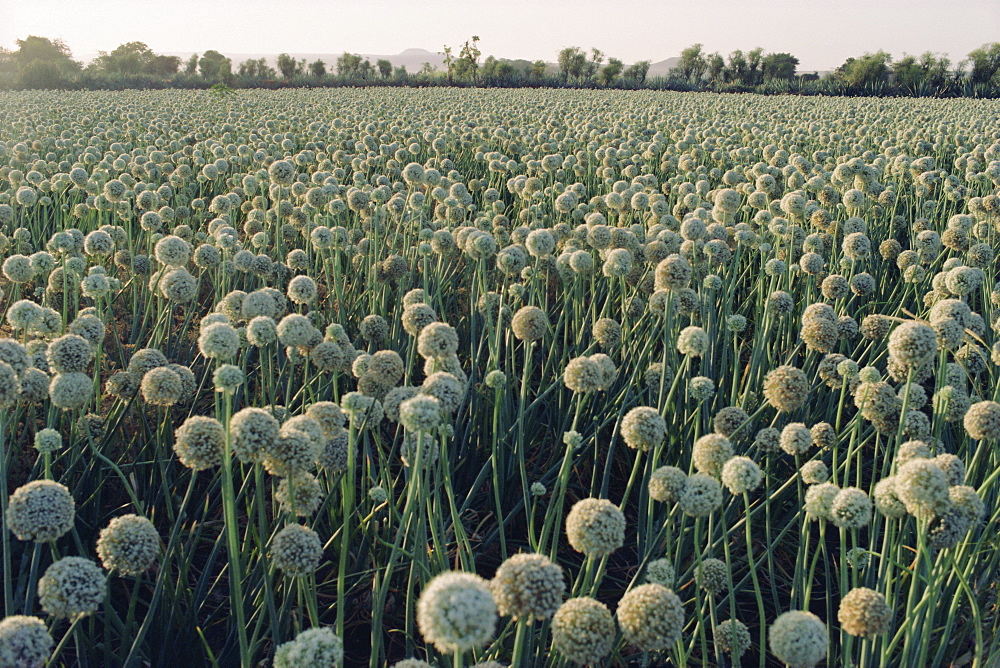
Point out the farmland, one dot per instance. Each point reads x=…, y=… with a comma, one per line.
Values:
x=536, y=377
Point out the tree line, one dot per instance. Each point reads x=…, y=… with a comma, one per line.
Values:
x=40, y=62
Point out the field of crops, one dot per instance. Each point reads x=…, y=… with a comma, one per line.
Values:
x=406, y=377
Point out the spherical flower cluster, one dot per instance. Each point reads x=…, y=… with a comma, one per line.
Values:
x=296, y=550
x=864, y=612
x=69, y=353
x=446, y=388
x=595, y=527
x=741, y=475
x=728, y=420
x=583, y=631
x=145, y=360
x=607, y=333
x=923, y=489
x=795, y=438
x=673, y=273
x=583, y=374
x=886, y=500
x=41, y=510
x=710, y=453
x=667, y=484
x=661, y=572
x=437, y=340
x=529, y=323
x=199, y=442
x=71, y=587
x=128, y=545
x=417, y=316
x=528, y=586
x=733, y=637
x=252, y=433
x=373, y=328
x=293, y=451
x=456, y=612
x=814, y=472
x=70, y=391
x=913, y=344
x=851, y=508
x=25, y=642
x=219, y=341
x=786, y=388
x=702, y=494
x=982, y=421
x=643, y=428
x=161, y=387
x=693, y=341
x=651, y=617
x=313, y=647
x=712, y=575
x=421, y=412
x=47, y=441
x=819, y=501
x=799, y=639
x=302, y=290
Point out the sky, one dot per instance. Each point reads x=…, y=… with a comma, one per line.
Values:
x=821, y=33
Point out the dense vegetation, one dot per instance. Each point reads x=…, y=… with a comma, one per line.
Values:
x=41, y=63
x=526, y=377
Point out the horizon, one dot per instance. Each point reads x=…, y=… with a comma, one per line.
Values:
x=525, y=30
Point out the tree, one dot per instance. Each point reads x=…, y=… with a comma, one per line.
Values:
x=366, y=70
x=317, y=68
x=33, y=49
x=715, y=66
x=466, y=65
x=400, y=73
x=736, y=68
x=985, y=63
x=384, y=68
x=779, y=66
x=593, y=65
x=290, y=67
x=637, y=72
x=164, y=66
x=134, y=58
x=214, y=66
x=691, y=66
x=611, y=71
x=349, y=64
x=754, y=73
x=128, y=58
x=572, y=62
x=426, y=69
x=537, y=69
x=867, y=72
x=257, y=69
x=191, y=66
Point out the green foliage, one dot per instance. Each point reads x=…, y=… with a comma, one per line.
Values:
x=637, y=72
x=213, y=66
x=985, y=64
x=692, y=64
x=870, y=72
x=257, y=69
x=221, y=91
x=351, y=65
x=610, y=72
x=779, y=66
x=290, y=67
x=384, y=68
x=41, y=74
x=133, y=58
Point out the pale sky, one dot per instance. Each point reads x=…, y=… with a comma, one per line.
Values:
x=821, y=33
